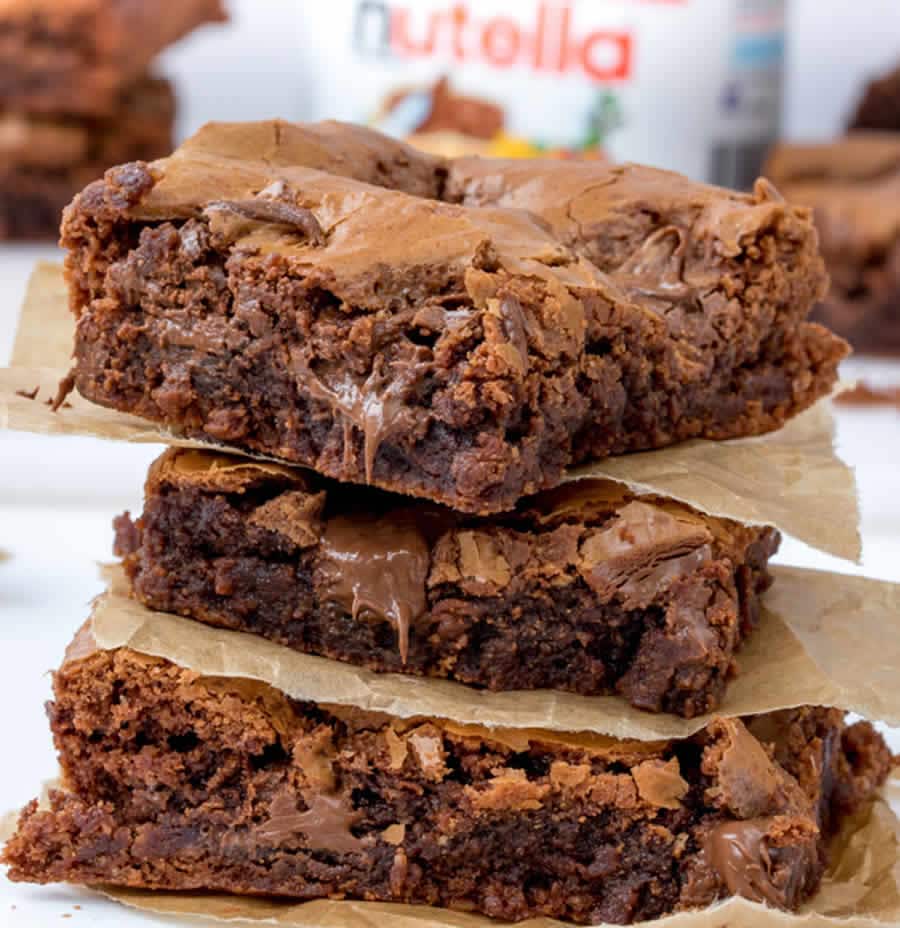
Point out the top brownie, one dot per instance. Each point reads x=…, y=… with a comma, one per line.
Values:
x=76, y=56
x=304, y=293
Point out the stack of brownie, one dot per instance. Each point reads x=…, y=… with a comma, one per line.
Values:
x=416, y=350
x=77, y=96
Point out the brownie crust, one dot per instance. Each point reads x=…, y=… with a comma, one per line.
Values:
x=46, y=161
x=77, y=56
x=588, y=588
x=179, y=782
x=853, y=185
x=463, y=353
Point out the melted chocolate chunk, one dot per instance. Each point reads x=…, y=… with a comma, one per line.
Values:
x=377, y=567
x=642, y=549
x=325, y=824
x=740, y=853
x=277, y=212
x=376, y=405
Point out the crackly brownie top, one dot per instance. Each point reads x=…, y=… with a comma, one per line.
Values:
x=852, y=183
x=371, y=246
x=347, y=201
x=581, y=200
x=342, y=149
x=578, y=199
x=374, y=552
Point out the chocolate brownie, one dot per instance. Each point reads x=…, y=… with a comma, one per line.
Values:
x=879, y=107
x=853, y=184
x=77, y=56
x=45, y=161
x=462, y=354
x=586, y=588
x=176, y=782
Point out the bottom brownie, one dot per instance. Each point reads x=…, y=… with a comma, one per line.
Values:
x=179, y=782
x=47, y=160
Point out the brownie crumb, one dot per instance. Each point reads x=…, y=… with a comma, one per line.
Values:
x=66, y=386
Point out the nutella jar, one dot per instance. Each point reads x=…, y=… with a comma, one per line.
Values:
x=691, y=85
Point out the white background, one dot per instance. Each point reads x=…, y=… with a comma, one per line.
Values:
x=248, y=71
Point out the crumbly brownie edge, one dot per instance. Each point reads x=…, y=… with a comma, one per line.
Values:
x=471, y=428
x=175, y=782
x=589, y=590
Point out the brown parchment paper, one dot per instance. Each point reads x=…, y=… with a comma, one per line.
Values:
x=824, y=639
x=46, y=325
x=8, y=826
x=792, y=478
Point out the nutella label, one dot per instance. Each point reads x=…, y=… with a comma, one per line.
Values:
x=691, y=85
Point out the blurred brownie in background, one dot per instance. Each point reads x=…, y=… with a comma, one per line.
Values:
x=879, y=107
x=853, y=185
x=75, y=56
x=44, y=160
x=77, y=97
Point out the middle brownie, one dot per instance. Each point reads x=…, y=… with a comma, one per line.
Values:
x=588, y=588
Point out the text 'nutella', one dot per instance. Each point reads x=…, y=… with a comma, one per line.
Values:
x=690, y=85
